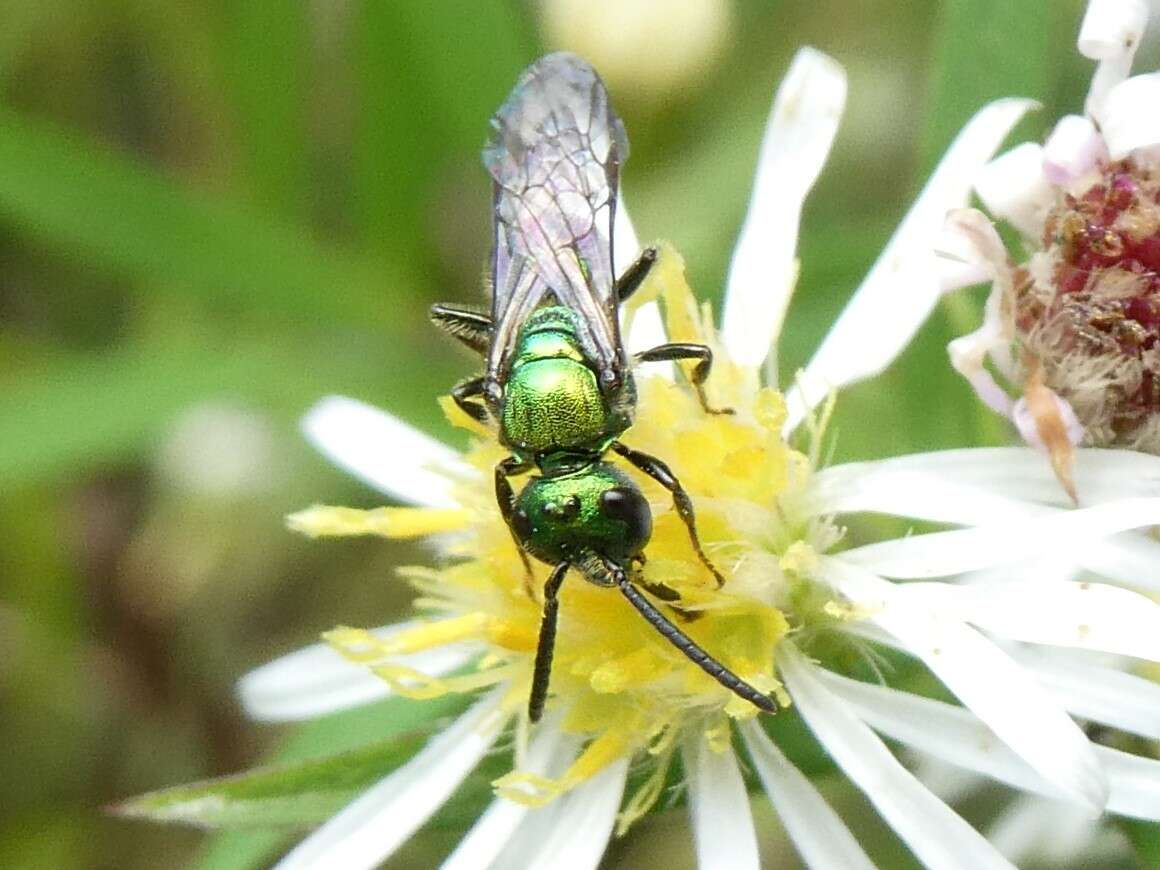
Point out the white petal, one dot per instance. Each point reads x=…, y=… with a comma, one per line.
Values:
x=922, y=495
x=984, y=678
x=954, y=275
x=625, y=243
x=937, y=836
x=953, y=734
x=1014, y=188
x=1073, y=149
x=952, y=784
x=383, y=451
x=969, y=235
x=1096, y=693
x=798, y=136
x=1091, y=616
x=1130, y=117
x=944, y=731
x=1044, y=833
x=819, y=836
x=1128, y=559
x=981, y=486
x=574, y=830
x=1017, y=472
x=317, y=680
x=719, y=808
x=1135, y=784
x=1110, y=33
x=902, y=287
x=549, y=754
x=647, y=328
x=370, y=828
x=648, y=331
x=943, y=554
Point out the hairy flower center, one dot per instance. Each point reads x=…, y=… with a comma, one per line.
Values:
x=1088, y=307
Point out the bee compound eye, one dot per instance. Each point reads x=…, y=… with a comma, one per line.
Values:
x=629, y=507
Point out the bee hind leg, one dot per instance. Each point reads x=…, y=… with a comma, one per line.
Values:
x=466, y=395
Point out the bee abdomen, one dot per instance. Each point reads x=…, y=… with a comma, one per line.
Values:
x=553, y=404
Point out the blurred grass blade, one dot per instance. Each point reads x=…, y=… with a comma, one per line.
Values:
x=266, y=55
x=242, y=849
x=985, y=49
x=1145, y=839
x=84, y=412
x=88, y=411
x=429, y=77
x=129, y=217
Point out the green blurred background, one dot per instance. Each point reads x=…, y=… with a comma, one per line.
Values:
x=212, y=213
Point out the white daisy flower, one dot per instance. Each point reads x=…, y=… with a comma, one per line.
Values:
x=982, y=602
x=1074, y=330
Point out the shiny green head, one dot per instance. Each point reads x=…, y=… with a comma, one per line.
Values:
x=595, y=511
x=552, y=400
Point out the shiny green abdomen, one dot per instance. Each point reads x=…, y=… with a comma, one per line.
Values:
x=553, y=404
x=552, y=401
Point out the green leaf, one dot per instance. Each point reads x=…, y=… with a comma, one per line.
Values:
x=241, y=850
x=295, y=794
x=303, y=788
x=129, y=217
x=348, y=731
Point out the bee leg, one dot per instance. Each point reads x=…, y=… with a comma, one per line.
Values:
x=689, y=647
x=506, y=499
x=670, y=597
x=466, y=394
x=547, y=643
x=686, y=350
x=470, y=327
x=663, y=475
x=634, y=275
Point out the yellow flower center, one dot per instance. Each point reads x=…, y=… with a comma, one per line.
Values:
x=615, y=681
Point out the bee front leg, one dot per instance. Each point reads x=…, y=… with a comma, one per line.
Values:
x=506, y=499
x=634, y=275
x=663, y=475
x=546, y=646
x=682, y=350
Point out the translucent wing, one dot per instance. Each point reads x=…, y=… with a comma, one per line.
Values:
x=554, y=153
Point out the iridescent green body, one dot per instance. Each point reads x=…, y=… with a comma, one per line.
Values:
x=553, y=412
x=596, y=510
x=554, y=415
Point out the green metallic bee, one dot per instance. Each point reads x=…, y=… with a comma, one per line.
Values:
x=558, y=380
